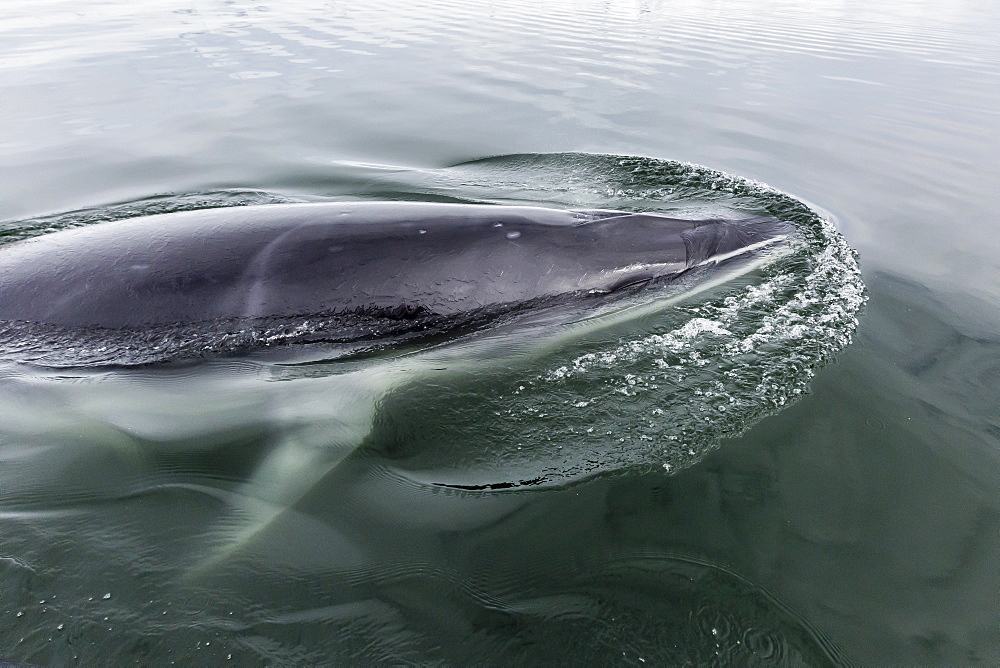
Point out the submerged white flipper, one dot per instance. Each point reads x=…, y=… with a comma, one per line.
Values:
x=327, y=419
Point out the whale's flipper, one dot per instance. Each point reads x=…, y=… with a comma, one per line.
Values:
x=327, y=418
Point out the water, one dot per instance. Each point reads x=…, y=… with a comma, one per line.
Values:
x=858, y=524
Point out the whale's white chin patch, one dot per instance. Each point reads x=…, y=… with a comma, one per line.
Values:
x=722, y=257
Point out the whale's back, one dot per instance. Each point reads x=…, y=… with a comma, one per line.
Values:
x=392, y=259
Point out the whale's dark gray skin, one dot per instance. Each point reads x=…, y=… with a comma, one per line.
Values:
x=387, y=258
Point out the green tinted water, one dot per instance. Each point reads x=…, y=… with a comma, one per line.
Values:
x=856, y=525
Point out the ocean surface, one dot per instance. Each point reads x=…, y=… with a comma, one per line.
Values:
x=795, y=466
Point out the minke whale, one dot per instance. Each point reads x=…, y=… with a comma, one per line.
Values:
x=389, y=262
x=494, y=284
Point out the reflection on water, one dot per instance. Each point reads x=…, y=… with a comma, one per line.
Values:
x=860, y=524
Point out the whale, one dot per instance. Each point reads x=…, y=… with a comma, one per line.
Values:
x=489, y=284
x=356, y=270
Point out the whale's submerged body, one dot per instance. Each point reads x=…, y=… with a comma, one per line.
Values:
x=484, y=279
x=394, y=262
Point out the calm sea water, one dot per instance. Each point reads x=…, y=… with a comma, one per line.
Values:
x=857, y=525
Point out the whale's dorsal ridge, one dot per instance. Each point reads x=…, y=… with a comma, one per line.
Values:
x=375, y=259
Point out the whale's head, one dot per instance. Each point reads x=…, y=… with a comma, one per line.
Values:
x=628, y=249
